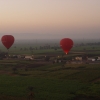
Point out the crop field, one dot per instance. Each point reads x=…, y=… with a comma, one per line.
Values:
x=44, y=80
x=48, y=81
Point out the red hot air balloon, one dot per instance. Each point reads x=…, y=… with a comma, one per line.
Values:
x=66, y=44
x=7, y=41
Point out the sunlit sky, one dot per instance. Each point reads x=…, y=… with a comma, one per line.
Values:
x=30, y=19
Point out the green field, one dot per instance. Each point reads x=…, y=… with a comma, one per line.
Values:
x=47, y=80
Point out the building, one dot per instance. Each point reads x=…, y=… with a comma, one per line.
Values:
x=28, y=57
x=78, y=58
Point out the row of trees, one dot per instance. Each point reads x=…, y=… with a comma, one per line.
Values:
x=88, y=44
x=40, y=48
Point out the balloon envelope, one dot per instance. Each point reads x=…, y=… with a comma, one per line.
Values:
x=7, y=40
x=66, y=44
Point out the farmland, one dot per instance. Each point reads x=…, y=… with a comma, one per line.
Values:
x=48, y=80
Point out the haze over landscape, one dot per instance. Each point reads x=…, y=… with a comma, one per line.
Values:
x=50, y=50
x=50, y=19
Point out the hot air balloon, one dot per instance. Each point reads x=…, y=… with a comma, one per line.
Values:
x=66, y=44
x=7, y=41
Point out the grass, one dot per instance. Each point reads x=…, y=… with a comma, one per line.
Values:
x=43, y=88
x=50, y=81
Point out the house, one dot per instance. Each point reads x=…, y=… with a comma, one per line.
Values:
x=91, y=59
x=78, y=58
x=28, y=57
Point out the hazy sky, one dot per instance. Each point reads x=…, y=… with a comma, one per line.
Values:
x=30, y=19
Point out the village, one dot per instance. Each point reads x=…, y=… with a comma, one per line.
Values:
x=58, y=59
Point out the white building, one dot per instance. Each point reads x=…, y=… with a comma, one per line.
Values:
x=78, y=58
x=28, y=57
x=90, y=59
